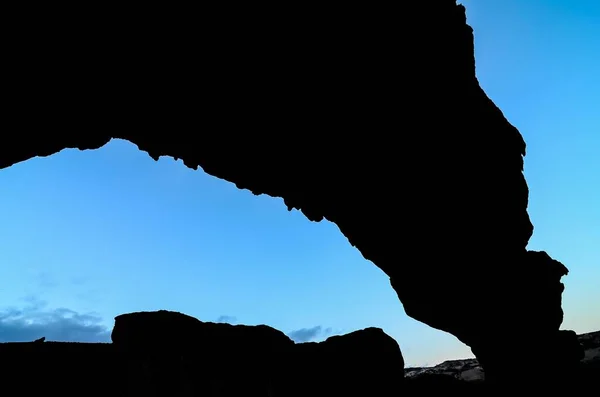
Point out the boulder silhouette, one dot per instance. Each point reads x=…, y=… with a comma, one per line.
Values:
x=181, y=352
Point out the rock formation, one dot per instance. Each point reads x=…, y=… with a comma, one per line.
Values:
x=469, y=371
x=365, y=362
x=187, y=355
x=64, y=369
x=358, y=115
x=168, y=353
x=227, y=359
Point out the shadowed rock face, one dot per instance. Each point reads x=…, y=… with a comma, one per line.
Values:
x=351, y=115
x=168, y=353
x=218, y=359
x=468, y=372
x=365, y=362
x=174, y=333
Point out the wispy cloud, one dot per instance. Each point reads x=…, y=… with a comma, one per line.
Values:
x=310, y=334
x=227, y=319
x=36, y=320
x=45, y=280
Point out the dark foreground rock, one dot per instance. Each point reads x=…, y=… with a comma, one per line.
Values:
x=169, y=351
x=469, y=371
x=218, y=359
x=170, y=354
x=367, y=362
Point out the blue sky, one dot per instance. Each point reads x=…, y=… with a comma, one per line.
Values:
x=86, y=236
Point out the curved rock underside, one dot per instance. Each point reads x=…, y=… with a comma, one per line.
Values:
x=361, y=116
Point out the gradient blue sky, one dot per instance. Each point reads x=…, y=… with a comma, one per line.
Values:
x=86, y=236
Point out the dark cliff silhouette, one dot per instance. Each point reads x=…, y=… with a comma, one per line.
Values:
x=369, y=117
x=258, y=360
x=171, y=354
x=167, y=353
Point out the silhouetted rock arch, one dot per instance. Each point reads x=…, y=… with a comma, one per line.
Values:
x=361, y=116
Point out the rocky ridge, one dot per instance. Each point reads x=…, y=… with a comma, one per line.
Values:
x=168, y=353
